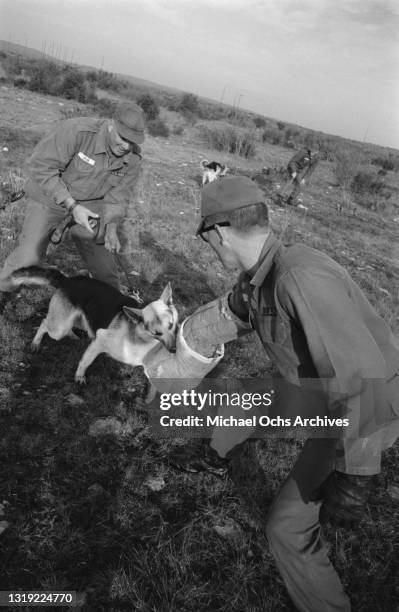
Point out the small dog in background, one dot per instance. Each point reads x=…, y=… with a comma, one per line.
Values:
x=114, y=322
x=211, y=171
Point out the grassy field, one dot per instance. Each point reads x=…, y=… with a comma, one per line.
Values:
x=106, y=515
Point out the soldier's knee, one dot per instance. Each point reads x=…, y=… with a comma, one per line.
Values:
x=281, y=530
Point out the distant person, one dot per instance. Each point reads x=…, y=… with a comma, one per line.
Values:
x=300, y=167
x=316, y=325
x=86, y=168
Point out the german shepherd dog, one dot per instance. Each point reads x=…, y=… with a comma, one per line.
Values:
x=115, y=323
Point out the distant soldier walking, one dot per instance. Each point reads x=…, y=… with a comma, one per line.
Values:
x=300, y=167
x=85, y=170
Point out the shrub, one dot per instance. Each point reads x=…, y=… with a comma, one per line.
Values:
x=157, y=127
x=272, y=136
x=385, y=163
x=346, y=166
x=280, y=125
x=20, y=82
x=149, y=106
x=188, y=104
x=230, y=140
x=259, y=122
x=45, y=77
x=370, y=191
x=105, y=80
x=210, y=111
x=73, y=86
x=291, y=138
x=3, y=55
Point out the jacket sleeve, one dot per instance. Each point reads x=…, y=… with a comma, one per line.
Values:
x=342, y=348
x=308, y=171
x=297, y=162
x=50, y=157
x=118, y=198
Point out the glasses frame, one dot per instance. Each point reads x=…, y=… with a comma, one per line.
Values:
x=212, y=227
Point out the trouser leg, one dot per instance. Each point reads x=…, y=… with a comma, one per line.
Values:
x=294, y=193
x=33, y=240
x=294, y=534
x=100, y=262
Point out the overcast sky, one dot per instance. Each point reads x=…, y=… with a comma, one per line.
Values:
x=331, y=65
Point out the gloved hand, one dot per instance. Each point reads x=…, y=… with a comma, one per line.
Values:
x=302, y=181
x=111, y=240
x=184, y=369
x=293, y=175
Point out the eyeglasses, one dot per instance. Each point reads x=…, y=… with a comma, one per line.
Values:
x=212, y=227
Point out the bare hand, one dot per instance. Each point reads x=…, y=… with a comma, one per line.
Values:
x=85, y=217
x=111, y=240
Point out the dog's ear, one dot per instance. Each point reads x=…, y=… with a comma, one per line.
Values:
x=133, y=313
x=167, y=295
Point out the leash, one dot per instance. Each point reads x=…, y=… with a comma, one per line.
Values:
x=57, y=235
x=134, y=293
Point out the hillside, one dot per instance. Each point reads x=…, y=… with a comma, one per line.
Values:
x=89, y=498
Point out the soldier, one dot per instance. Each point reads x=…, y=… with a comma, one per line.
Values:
x=300, y=167
x=314, y=323
x=85, y=168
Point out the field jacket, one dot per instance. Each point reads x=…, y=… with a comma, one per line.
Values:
x=303, y=164
x=315, y=322
x=73, y=160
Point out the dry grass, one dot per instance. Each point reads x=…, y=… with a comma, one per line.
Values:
x=81, y=515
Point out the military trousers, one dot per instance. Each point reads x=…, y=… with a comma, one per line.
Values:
x=40, y=220
x=295, y=534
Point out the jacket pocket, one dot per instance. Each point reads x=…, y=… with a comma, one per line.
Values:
x=83, y=164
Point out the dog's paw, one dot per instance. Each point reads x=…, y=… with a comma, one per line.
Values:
x=80, y=379
x=34, y=347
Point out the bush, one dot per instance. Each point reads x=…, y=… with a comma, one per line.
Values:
x=259, y=122
x=280, y=125
x=157, y=127
x=272, y=136
x=229, y=140
x=385, y=163
x=20, y=82
x=105, y=80
x=73, y=86
x=370, y=191
x=210, y=111
x=45, y=78
x=188, y=104
x=149, y=106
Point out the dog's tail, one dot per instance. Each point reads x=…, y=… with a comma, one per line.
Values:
x=36, y=276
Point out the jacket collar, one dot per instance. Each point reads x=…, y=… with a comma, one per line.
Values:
x=266, y=259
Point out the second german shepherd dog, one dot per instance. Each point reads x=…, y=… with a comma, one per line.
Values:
x=114, y=322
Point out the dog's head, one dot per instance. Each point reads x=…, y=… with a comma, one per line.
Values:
x=158, y=319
